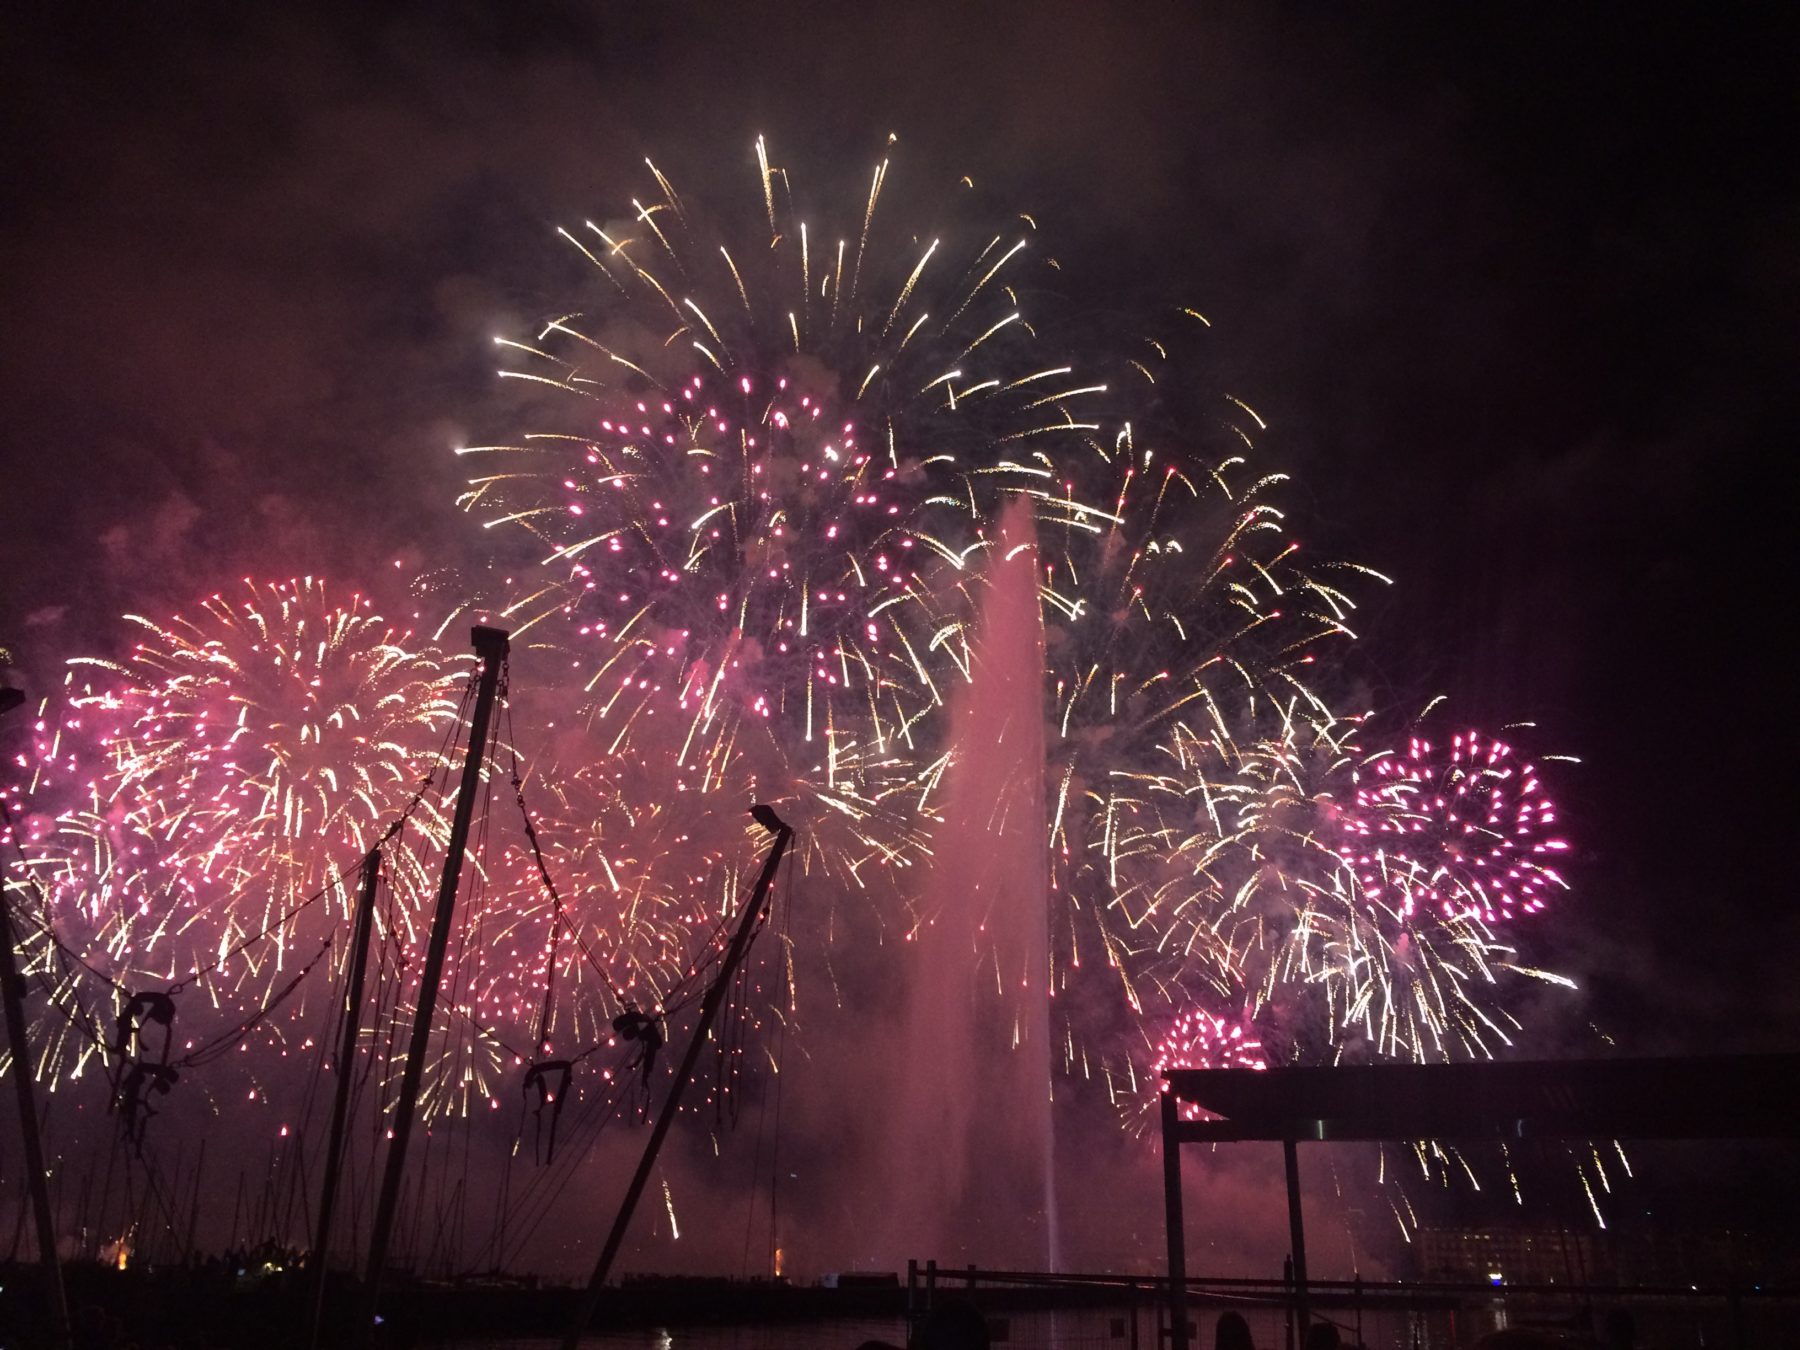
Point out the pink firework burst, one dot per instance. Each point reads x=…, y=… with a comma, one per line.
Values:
x=1204, y=1040
x=1463, y=830
x=743, y=543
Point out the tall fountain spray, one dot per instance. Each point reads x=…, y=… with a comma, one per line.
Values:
x=972, y=1155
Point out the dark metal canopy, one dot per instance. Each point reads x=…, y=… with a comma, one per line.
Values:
x=1723, y=1097
x=1720, y=1097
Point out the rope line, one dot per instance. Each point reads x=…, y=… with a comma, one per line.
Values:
x=556, y=902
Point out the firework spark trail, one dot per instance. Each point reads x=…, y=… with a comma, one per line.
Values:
x=1195, y=1039
x=636, y=875
x=1262, y=908
x=1193, y=729
x=1211, y=795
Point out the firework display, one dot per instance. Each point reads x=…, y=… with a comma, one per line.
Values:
x=767, y=482
x=763, y=473
x=1181, y=642
x=631, y=881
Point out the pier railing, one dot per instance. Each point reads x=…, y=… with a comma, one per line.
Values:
x=1037, y=1310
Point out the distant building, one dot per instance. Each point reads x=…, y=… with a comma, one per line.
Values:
x=861, y=1279
x=1507, y=1255
x=1672, y=1256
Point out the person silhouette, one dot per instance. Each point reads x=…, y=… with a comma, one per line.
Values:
x=955, y=1324
x=1232, y=1333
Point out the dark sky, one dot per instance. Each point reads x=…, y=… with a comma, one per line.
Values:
x=1516, y=287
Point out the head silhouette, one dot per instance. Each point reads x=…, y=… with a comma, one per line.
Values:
x=955, y=1324
x=1232, y=1333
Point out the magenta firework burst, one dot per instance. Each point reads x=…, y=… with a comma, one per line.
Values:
x=1464, y=830
x=1198, y=1039
x=236, y=762
x=759, y=548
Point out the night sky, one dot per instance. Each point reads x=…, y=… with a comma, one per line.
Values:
x=1516, y=288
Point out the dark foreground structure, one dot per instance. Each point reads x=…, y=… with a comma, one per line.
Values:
x=1719, y=1098
x=267, y=1304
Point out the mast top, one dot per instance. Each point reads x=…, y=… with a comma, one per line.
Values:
x=489, y=641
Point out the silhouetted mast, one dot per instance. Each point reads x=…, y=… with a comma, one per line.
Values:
x=491, y=646
x=12, y=988
x=709, y=1009
x=340, y=1104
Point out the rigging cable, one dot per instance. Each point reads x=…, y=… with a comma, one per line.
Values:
x=558, y=909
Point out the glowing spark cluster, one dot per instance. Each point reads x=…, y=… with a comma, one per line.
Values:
x=1462, y=832
x=232, y=767
x=1201, y=1040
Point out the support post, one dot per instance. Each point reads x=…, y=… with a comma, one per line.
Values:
x=12, y=986
x=709, y=1009
x=1296, y=1235
x=1176, y=1221
x=912, y=1299
x=12, y=989
x=491, y=647
x=187, y=1248
x=1287, y=1299
x=340, y=1102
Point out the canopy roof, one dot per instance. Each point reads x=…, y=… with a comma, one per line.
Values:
x=1719, y=1097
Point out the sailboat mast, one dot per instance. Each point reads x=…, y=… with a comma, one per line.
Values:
x=709, y=1009
x=491, y=646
